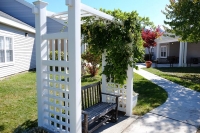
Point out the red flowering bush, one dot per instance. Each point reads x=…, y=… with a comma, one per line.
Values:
x=94, y=59
x=149, y=37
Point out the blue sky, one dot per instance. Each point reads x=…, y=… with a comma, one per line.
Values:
x=147, y=8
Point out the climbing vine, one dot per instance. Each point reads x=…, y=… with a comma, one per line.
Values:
x=120, y=38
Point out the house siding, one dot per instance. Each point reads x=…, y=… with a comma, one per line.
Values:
x=24, y=13
x=174, y=49
x=24, y=51
x=193, y=50
x=54, y=27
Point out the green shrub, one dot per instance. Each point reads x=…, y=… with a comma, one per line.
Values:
x=56, y=55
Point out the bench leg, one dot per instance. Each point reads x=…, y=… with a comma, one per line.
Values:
x=85, y=124
x=115, y=112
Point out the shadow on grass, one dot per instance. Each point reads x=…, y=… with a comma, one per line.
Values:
x=88, y=79
x=27, y=125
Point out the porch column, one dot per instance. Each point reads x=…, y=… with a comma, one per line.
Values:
x=185, y=54
x=41, y=54
x=103, y=88
x=158, y=51
x=129, y=90
x=181, y=54
x=74, y=30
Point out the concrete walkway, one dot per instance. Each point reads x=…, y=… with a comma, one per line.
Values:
x=179, y=114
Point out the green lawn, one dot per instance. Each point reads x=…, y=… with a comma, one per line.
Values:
x=150, y=95
x=186, y=76
x=18, y=106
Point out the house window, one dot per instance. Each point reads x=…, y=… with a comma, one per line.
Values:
x=6, y=49
x=163, y=53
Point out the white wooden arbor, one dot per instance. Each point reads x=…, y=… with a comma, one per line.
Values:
x=59, y=91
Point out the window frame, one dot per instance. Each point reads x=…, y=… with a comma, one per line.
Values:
x=162, y=47
x=3, y=64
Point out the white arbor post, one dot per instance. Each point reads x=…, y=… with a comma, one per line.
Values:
x=74, y=30
x=41, y=54
x=129, y=90
x=104, y=82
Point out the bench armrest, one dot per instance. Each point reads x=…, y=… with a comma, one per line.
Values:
x=111, y=94
x=85, y=112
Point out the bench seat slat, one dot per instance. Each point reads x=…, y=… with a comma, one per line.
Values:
x=98, y=110
x=93, y=108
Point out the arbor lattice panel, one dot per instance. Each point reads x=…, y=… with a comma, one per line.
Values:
x=118, y=89
x=56, y=99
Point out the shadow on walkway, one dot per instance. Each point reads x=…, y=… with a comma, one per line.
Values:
x=118, y=127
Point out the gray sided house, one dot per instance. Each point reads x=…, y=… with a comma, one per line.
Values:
x=183, y=53
x=17, y=36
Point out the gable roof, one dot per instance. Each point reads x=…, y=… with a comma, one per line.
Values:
x=166, y=38
x=49, y=13
x=2, y=14
x=11, y=21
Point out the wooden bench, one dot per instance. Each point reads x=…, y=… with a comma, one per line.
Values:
x=93, y=108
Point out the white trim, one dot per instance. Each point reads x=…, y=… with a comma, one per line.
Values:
x=16, y=24
x=4, y=64
x=167, y=39
x=63, y=35
x=181, y=54
x=185, y=55
x=158, y=50
x=85, y=11
x=95, y=12
x=49, y=14
x=164, y=51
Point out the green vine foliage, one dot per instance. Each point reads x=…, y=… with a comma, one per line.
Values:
x=120, y=38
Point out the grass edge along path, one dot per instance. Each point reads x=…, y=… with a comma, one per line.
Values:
x=188, y=77
x=18, y=106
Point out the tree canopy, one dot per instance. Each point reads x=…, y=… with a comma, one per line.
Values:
x=184, y=19
x=121, y=38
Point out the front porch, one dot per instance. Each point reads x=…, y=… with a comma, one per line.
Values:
x=181, y=54
x=142, y=65
x=168, y=65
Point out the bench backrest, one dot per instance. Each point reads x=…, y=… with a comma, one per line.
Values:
x=91, y=94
